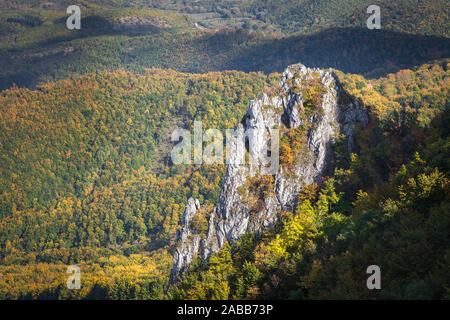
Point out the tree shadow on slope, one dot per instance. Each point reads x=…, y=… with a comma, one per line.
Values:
x=372, y=53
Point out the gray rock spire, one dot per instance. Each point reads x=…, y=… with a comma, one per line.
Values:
x=290, y=107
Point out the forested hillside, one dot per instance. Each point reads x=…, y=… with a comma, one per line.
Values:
x=86, y=176
x=427, y=17
x=85, y=180
x=309, y=16
x=35, y=45
x=387, y=205
x=84, y=171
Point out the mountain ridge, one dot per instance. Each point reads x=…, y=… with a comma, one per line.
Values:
x=162, y=39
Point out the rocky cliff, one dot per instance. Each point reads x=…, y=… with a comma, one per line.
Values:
x=309, y=109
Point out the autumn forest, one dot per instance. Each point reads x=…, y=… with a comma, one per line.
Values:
x=86, y=177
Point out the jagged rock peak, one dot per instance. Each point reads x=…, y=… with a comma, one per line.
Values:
x=309, y=102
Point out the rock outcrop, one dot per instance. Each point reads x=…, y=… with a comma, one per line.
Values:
x=308, y=99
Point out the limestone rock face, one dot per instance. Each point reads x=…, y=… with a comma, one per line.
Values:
x=189, y=243
x=288, y=108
